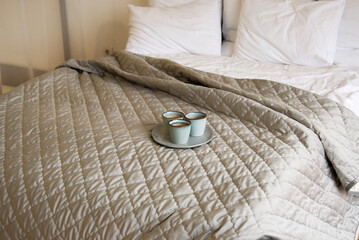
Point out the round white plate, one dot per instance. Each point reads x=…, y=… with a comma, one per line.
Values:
x=160, y=137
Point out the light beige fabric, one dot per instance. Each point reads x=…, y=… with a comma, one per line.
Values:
x=77, y=159
x=0, y=82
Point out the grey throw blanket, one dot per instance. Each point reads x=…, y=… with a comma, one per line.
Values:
x=77, y=159
x=335, y=125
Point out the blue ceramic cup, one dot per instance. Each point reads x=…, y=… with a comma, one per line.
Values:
x=198, y=123
x=179, y=131
x=169, y=116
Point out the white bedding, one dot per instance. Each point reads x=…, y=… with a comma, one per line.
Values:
x=339, y=83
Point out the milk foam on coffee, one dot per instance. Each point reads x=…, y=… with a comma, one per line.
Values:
x=195, y=117
x=173, y=116
x=179, y=124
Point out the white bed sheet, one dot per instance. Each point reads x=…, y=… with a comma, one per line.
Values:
x=339, y=83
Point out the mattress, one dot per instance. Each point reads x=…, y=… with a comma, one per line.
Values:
x=77, y=160
x=339, y=83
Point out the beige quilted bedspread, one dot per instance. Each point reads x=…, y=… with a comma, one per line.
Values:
x=77, y=160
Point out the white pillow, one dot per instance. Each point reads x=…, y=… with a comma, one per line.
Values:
x=289, y=31
x=227, y=48
x=175, y=3
x=168, y=3
x=348, y=38
x=347, y=57
x=188, y=28
x=231, y=10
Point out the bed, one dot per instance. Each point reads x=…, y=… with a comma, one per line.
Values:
x=77, y=160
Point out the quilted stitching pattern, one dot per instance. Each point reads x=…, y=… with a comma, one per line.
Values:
x=77, y=159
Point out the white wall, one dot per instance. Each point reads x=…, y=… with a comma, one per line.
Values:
x=38, y=35
x=30, y=37
x=97, y=25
